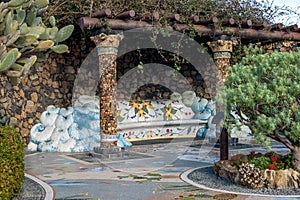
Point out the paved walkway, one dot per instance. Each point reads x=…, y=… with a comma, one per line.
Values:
x=152, y=173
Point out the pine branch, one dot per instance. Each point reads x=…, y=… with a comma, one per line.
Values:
x=282, y=140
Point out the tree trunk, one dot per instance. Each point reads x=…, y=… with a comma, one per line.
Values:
x=296, y=158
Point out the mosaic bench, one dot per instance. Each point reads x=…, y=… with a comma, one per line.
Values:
x=161, y=119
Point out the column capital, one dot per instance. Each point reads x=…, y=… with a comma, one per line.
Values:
x=107, y=44
x=222, y=45
x=222, y=48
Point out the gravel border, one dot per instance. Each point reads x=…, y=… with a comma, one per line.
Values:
x=204, y=177
x=35, y=189
x=49, y=192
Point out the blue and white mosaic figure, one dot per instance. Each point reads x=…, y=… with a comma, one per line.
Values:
x=72, y=129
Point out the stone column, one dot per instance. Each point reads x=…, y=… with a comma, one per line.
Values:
x=222, y=48
x=107, y=47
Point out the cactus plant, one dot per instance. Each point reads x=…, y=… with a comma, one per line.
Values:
x=9, y=59
x=42, y=3
x=46, y=44
x=29, y=63
x=15, y=3
x=31, y=15
x=36, y=21
x=2, y=49
x=21, y=16
x=24, y=29
x=3, y=6
x=60, y=48
x=13, y=38
x=38, y=30
x=8, y=23
x=52, y=21
x=64, y=33
x=27, y=4
x=23, y=36
x=17, y=67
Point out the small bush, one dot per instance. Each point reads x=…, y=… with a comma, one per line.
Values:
x=261, y=162
x=11, y=163
x=272, y=163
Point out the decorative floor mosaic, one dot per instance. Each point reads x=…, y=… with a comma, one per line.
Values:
x=146, y=178
x=95, y=158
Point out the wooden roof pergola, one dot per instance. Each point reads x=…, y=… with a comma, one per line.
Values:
x=248, y=30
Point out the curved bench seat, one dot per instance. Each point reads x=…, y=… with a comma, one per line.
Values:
x=161, y=129
x=155, y=124
x=144, y=120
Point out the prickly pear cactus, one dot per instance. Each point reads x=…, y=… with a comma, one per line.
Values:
x=24, y=36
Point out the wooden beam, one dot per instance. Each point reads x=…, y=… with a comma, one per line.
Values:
x=297, y=30
x=260, y=25
x=114, y=24
x=290, y=28
x=246, y=33
x=194, y=19
x=246, y=24
x=175, y=17
x=89, y=22
x=228, y=22
x=212, y=20
x=126, y=14
x=276, y=27
x=151, y=16
x=101, y=13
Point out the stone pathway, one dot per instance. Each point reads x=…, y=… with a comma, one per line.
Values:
x=154, y=175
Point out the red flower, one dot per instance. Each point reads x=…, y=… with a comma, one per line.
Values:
x=252, y=153
x=273, y=159
x=271, y=167
x=233, y=158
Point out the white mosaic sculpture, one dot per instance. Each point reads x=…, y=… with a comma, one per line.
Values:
x=68, y=129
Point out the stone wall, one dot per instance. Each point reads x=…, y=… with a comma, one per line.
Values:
x=157, y=79
x=48, y=84
x=286, y=46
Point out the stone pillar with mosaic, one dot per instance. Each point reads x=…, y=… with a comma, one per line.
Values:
x=107, y=47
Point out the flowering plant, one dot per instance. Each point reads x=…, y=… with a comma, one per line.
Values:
x=235, y=161
x=273, y=159
x=233, y=158
x=272, y=163
x=271, y=167
x=252, y=154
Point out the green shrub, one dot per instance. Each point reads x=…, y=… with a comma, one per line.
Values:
x=261, y=162
x=11, y=163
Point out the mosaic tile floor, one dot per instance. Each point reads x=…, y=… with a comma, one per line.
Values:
x=155, y=176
